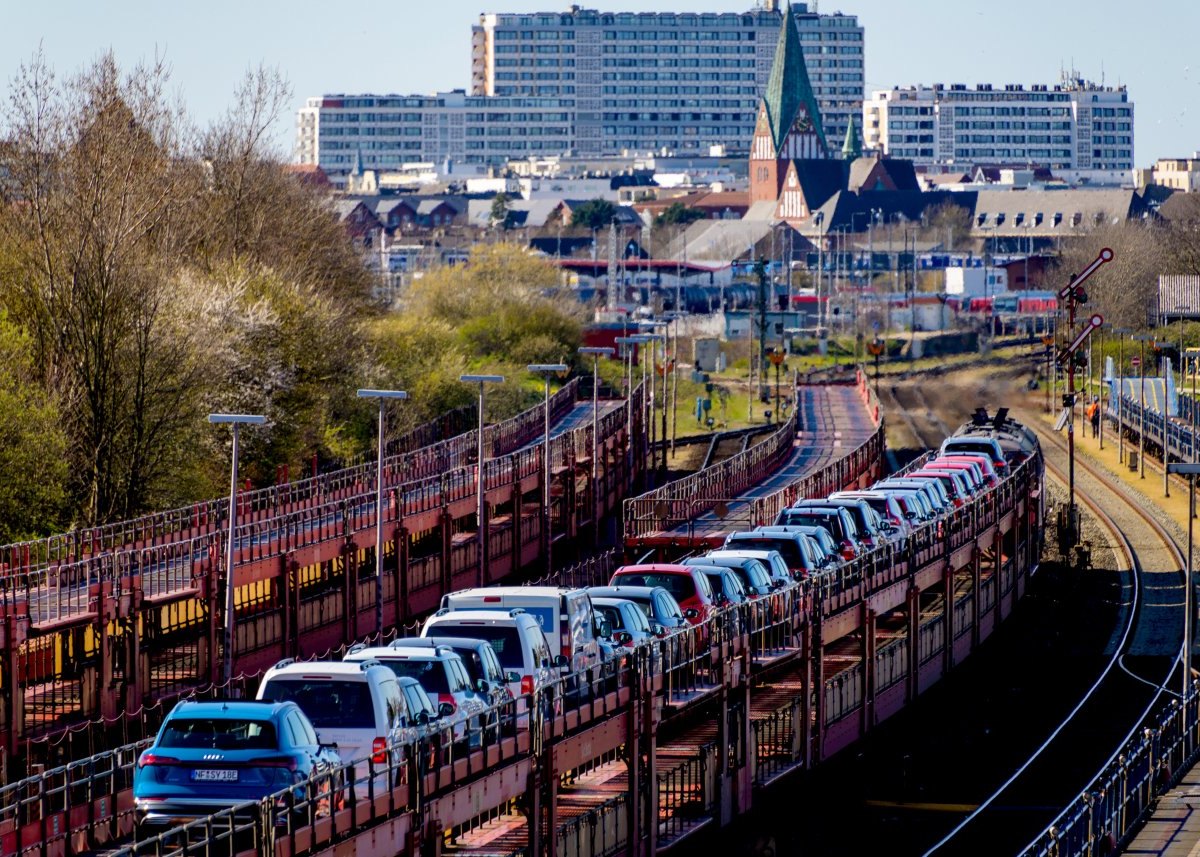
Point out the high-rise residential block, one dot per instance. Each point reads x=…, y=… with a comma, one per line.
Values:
x=625, y=81
x=1072, y=126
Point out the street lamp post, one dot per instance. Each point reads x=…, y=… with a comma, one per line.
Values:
x=596, y=353
x=628, y=343
x=640, y=339
x=1141, y=339
x=481, y=380
x=658, y=337
x=1165, y=367
x=1190, y=471
x=235, y=420
x=675, y=376
x=1120, y=333
x=383, y=396
x=547, y=371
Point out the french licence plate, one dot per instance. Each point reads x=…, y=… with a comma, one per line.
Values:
x=214, y=775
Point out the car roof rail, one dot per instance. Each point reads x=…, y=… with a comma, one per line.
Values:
x=516, y=610
x=368, y=663
x=286, y=662
x=356, y=648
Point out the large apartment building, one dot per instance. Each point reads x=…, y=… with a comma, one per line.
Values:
x=342, y=133
x=1072, y=126
x=624, y=81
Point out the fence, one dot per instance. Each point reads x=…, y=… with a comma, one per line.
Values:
x=209, y=516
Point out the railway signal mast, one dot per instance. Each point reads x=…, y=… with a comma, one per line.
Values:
x=1072, y=295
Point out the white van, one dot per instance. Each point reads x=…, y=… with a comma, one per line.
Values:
x=565, y=616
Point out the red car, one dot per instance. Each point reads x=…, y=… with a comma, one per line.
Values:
x=689, y=586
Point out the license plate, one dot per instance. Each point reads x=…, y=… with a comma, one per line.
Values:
x=214, y=775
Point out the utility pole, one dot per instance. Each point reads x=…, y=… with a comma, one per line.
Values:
x=1072, y=295
x=761, y=270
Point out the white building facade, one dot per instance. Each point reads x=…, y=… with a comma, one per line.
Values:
x=384, y=133
x=594, y=84
x=1073, y=126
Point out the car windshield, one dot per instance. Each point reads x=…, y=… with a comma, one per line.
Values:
x=430, y=674
x=504, y=639
x=970, y=446
x=829, y=521
x=219, y=734
x=786, y=547
x=329, y=703
x=679, y=585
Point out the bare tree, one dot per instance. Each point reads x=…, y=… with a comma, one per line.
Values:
x=1123, y=289
x=253, y=212
x=99, y=188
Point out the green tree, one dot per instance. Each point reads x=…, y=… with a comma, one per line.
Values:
x=678, y=214
x=33, y=446
x=594, y=214
x=501, y=216
x=500, y=313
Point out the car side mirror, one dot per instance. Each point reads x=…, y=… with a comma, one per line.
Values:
x=657, y=630
x=332, y=747
x=561, y=661
x=482, y=686
x=422, y=718
x=445, y=709
x=605, y=628
x=691, y=613
x=512, y=675
x=624, y=638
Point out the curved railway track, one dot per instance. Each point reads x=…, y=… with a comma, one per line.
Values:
x=1143, y=655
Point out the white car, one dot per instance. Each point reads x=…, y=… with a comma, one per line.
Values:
x=441, y=672
x=357, y=706
x=516, y=637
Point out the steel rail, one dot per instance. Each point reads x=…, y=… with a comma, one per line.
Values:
x=1118, y=653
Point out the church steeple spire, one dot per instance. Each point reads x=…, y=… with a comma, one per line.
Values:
x=852, y=147
x=789, y=99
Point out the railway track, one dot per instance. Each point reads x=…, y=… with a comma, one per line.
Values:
x=1140, y=661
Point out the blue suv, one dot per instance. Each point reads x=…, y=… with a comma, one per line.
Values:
x=210, y=756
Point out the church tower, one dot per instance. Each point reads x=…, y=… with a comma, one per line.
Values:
x=789, y=124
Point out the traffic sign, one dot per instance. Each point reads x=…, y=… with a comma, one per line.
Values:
x=1135, y=361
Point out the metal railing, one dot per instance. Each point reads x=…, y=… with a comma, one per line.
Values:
x=682, y=500
x=209, y=515
x=1104, y=817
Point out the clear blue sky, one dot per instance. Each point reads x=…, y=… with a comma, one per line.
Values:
x=419, y=46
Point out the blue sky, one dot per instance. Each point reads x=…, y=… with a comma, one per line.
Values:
x=417, y=46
